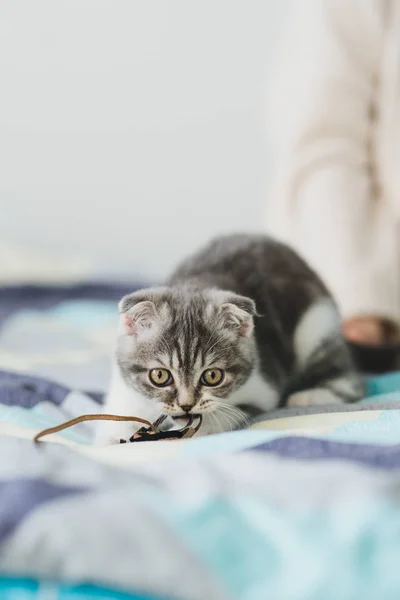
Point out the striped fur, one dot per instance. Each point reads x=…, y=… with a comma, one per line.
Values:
x=250, y=307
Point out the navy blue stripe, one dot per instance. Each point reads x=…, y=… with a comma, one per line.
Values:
x=38, y=297
x=303, y=448
x=19, y=497
x=27, y=391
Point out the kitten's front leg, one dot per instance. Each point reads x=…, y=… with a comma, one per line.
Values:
x=314, y=397
x=348, y=388
x=124, y=401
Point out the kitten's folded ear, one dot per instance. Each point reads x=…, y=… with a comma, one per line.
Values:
x=237, y=312
x=142, y=311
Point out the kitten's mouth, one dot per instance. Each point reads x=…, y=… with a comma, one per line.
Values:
x=186, y=415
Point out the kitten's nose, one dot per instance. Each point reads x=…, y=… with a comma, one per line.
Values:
x=186, y=407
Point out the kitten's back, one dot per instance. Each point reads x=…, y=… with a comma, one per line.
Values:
x=297, y=313
x=267, y=271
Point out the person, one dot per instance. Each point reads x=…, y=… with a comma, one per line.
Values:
x=334, y=121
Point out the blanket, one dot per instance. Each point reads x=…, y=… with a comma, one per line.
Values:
x=299, y=507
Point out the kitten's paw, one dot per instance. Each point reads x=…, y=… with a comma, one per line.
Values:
x=315, y=397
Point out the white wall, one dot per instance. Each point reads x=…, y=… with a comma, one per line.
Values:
x=132, y=130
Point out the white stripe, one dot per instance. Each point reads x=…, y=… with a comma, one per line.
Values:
x=317, y=323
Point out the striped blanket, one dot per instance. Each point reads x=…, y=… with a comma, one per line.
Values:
x=299, y=507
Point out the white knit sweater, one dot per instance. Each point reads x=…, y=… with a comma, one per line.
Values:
x=335, y=120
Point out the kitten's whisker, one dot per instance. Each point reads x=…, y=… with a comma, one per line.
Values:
x=227, y=417
x=234, y=421
x=230, y=408
x=220, y=424
x=213, y=422
x=240, y=419
x=230, y=417
x=233, y=409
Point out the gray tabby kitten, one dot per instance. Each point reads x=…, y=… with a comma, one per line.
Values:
x=242, y=327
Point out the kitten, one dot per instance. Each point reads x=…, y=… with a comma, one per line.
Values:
x=242, y=327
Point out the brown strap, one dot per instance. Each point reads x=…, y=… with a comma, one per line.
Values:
x=95, y=417
x=192, y=430
x=189, y=433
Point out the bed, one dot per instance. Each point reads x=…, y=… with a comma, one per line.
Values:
x=304, y=505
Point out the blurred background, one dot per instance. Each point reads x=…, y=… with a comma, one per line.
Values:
x=130, y=131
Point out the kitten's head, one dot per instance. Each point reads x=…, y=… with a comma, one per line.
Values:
x=186, y=349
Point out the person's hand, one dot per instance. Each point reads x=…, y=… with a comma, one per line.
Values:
x=365, y=330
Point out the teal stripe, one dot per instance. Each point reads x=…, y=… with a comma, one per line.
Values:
x=383, y=384
x=36, y=417
x=29, y=589
x=259, y=551
x=384, y=429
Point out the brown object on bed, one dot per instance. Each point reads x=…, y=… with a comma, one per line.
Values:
x=149, y=433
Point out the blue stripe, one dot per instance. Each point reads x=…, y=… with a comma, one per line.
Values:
x=19, y=497
x=304, y=448
x=27, y=391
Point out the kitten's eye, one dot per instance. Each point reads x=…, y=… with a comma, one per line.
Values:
x=160, y=377
x=212, y=377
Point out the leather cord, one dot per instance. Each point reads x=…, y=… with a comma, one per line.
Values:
x=94, y=417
